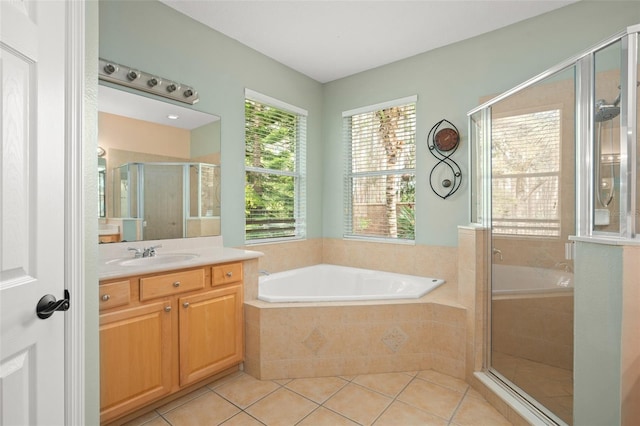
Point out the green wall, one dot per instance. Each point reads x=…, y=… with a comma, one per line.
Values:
x=449, y=82
x=153, y=37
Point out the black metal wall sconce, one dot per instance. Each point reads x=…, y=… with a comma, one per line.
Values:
x=443, y=140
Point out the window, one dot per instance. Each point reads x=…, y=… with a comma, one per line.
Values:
x=380, y=170
x=526, y=170
x=275, y=144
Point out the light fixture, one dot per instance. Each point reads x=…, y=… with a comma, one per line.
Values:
x=140, y=80
x=173, y=116
x=101, y=151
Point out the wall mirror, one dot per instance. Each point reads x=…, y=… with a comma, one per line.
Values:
x=160, y=169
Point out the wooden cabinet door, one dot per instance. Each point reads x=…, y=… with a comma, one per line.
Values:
x=135, y=358
x=211, y=332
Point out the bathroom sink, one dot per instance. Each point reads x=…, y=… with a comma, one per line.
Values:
x=158, y=259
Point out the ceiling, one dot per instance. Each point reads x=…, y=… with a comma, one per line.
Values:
x=327, y=40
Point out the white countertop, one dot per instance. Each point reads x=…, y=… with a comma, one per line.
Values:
x=209, y=250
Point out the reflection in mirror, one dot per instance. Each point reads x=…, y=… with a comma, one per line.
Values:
x=102, y=179
x=532, y=147
x=162, y=169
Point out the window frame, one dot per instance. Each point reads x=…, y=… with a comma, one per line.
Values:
x=298, y=174
x=350, y=176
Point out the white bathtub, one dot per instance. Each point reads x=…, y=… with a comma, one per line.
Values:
x=509, y=279
x=322, y=283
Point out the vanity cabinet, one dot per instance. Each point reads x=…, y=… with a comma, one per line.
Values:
x=210, y=333
x=135, y=357
x=160, y=333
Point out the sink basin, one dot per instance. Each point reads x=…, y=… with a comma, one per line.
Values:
x=158, y=259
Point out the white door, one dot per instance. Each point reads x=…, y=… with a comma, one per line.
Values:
x=32, y=206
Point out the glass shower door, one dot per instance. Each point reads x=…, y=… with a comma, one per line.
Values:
x=164, y=203
x=532, y=138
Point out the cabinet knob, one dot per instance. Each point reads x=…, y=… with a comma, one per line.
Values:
x=105, y=297
x=176, y=284
x=167, y=308
x=185, y=304
x=229, y=274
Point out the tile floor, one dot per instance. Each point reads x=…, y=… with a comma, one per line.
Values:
x=412, y=398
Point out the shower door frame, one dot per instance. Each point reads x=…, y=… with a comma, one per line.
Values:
x=481, y=211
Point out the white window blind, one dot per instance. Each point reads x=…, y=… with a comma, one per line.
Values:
x=275, y=155
x=380, y=170
x=526, y=173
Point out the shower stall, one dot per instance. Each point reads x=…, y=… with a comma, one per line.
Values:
x=554, y=161
x=168, y=200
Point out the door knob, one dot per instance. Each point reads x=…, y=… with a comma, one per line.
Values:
x=48, y=304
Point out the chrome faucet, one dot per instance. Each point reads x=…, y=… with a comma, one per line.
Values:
x=150, y=251
x=263, y=272
x=498, y=252
x=137, y=252
x=144, y=252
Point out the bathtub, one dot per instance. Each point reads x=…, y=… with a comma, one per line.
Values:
x=520, y=280
x=326, y=283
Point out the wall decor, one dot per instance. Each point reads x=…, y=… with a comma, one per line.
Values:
x=443, y=140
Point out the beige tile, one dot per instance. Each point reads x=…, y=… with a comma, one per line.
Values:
x=358, y=404
x=474, y=411
x=145, y=419
x=324, y=417
x=282, y=407
x=447, y=365
x=158, y=421
x=403, y=414
x=206, y=409
x=242, y=419
x=183, y=400
x=431, y=397
x=390, y=384
x=452, y=383
x=245, y=390
x=472, y=393
x=317, y=389
x=226, y=379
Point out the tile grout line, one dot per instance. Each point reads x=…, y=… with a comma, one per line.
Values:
x=455, y=411
x=395, y=398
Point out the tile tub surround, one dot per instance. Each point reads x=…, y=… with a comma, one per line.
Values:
x=297, y=340
x=275, y=332
x=421, y=260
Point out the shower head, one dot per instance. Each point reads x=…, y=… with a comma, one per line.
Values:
x=605, y=112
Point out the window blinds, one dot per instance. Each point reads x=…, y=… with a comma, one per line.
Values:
x=380, y=170
x=275, y=153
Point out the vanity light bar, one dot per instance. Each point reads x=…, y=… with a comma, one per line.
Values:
x=140, y=80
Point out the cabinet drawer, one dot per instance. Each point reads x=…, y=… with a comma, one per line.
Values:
x=110, y=238
x=168, y=284
x=114, y=294
x=225, y=274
